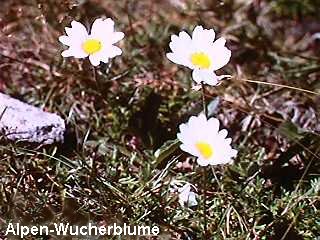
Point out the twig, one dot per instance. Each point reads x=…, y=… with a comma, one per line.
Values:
x=280, y=85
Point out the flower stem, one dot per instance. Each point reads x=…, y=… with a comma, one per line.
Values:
x=204, y=103
x=95, y=76
x=205, y=175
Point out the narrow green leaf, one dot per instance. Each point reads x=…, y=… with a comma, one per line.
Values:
x=166, y=150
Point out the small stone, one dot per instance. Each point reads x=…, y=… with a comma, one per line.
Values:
x=21, y=121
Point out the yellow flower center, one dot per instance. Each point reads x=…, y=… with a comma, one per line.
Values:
x=92, y=46
x=201, y=60
x=205, y=149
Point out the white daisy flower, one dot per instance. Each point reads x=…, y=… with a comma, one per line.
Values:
x=186, y=196
x=98, y=44
x=200, y=53
x=201, y=138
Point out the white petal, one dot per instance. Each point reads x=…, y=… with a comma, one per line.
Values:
x=177, y=45
x=79, y=53
x=65, y=40
x=102, y=29
x=197, y=32
x=175, y=58
x=184, y=148
x=114, y=51
x=220, y=54
x=95, y=61
x=74, y=52
x=67, y=53
x=225, y=160
x=76, y=35
x=105, y=59
x=187, y=137
x=187, y=196
x=109, y=24
x=204, y=76
x=202, y=162
x=68, y=31
x=215, y=162
x=202, y=119
x=223, y=57
x=192, y=201
x=185, y=189
x=220, y=42
x=223, y=133
x=185, y=37
x=189, y=149
x=179, y=136
x=202, y=37
x=78, y=29
x=233, y=153
x=213, y=125
x=107, y=52
x=228, y=141
x=103, y=55
x=315, y=36
x=197, y=76
x=116, y=37
x=184, y=132
x=97, y=26
x=181, y=49
x=196, y=121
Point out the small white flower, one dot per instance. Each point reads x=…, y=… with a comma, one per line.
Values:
x=200, y=53
x=98, y=44
x=186, y=196
x=201, y=138
x=315, y=36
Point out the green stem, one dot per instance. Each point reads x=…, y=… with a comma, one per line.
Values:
x=204, y=103
x=95, y=76
x=205, y=175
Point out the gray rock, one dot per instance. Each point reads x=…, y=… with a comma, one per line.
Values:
x=21, y=121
